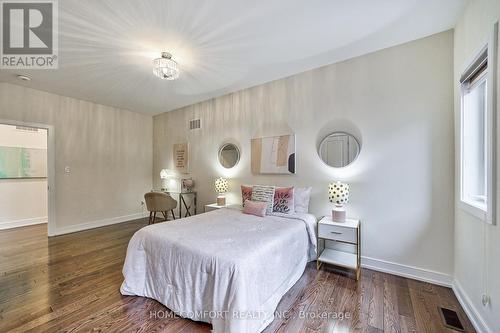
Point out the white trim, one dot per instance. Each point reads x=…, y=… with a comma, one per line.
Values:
x=492, y=126
x=474, y=316
x=473, y=210
x=487, y=215
x=22, y=222
x=94, y=224
x=407, y=271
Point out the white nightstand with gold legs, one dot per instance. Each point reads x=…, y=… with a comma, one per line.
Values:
x=348, y=232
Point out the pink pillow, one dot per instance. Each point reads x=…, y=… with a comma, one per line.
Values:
x=283, y=200
x=246, y=194
x=257, y=208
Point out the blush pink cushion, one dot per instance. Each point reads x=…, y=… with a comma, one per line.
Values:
x=283, y=200
x=257, y=208
x=246, y=194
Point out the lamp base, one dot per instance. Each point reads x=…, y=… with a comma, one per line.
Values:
x=221, y=201
x=338, y=214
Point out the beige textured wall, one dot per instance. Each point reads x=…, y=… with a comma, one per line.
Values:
x=477, y=244
x=398, y=102
x=108, y=150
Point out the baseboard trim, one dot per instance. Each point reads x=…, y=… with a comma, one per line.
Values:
x=474, y=316
x=94, y=224
x=407, y=271
x=23, y=222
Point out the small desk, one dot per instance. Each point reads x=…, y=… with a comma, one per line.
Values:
x=182, y=202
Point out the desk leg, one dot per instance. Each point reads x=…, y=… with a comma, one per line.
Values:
x=188, y=213
x=195, y=202
x=180, y=205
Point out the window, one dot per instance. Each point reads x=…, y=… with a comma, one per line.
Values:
x=474, y=142
x=477, y=122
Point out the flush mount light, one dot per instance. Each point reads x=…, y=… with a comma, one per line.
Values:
x=165, y=67
x=23, y=77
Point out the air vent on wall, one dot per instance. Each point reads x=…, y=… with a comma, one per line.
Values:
x=25, y=128
x=194, y=124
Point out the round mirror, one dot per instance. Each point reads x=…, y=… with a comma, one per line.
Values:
x=339, y=149
x=229, y=155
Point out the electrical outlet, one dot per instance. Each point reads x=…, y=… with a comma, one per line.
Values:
x=485, y=299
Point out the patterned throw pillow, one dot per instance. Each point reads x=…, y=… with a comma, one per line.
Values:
x=246, y=194
x=283, y=200
x=264, y=193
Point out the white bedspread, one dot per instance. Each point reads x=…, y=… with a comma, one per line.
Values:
x=223, y=267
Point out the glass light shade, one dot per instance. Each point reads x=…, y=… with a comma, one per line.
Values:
x=165, y=67
x=338, y=193
x=166, y=173
x=221, y=185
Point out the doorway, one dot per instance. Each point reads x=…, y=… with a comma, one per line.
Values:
x=26, y=174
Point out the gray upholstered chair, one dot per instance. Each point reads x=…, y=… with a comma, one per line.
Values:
x=159, y=202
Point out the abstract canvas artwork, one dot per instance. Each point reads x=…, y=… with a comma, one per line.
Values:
x=273, y=155
x=16, y=162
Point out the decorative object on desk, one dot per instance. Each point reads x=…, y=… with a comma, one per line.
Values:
x=273, y=155
x=229, y=155
x=339, y=149
x=187, y=185
x=221, y=187
x=181, y=157
x=338, y=194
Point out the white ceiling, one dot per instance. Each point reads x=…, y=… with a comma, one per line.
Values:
x=106, y=47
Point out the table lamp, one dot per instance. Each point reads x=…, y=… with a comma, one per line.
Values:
x=338, y=194
x=168, y=178
x=221, y=187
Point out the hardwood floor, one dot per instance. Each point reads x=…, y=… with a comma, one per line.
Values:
x=71, y=283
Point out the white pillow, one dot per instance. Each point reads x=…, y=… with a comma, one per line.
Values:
x=301, y=198
x=264, y=193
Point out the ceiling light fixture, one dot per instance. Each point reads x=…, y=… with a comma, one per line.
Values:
x=23, y=77
x=165, y=67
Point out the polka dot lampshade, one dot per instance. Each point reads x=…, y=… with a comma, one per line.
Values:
x=338, y=193
x=221, y=185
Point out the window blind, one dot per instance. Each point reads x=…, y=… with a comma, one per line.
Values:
x=476, y=68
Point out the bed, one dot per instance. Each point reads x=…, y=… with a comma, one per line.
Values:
x=223, y=267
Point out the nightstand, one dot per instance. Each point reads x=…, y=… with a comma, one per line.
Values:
x=214, y=206
x=348, y=232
